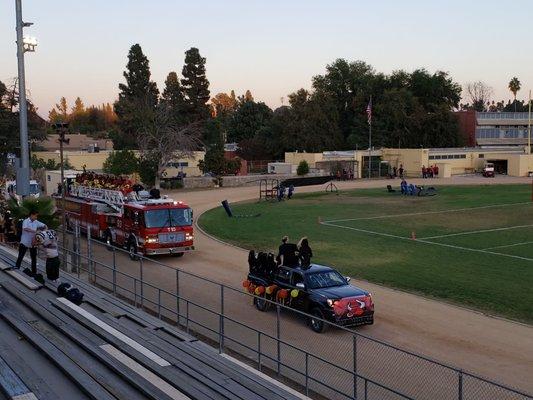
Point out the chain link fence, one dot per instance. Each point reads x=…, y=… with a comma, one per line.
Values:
x=340, y=364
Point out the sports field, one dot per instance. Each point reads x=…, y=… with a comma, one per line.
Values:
x=472, y=245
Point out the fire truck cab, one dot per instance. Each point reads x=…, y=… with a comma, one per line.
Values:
x=140, y=225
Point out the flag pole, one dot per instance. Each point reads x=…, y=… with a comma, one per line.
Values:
x=370, y=140
x=529, y=126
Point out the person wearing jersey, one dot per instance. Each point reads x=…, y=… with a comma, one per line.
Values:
x=47, y=239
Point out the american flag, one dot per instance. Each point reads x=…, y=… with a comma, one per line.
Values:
x=369, y=111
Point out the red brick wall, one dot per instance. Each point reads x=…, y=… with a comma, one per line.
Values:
x=467, y=126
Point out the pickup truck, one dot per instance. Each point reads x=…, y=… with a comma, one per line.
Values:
x=317, y=290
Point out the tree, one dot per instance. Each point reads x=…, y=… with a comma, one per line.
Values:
x=514, y=87
x=173, y=96
x=303, y=168
x=479, y=94
x=121, y=162
x=138, y=93
x=43, y=205
x=195, y=86
x=161, y=139
x=37, y=163
x=247, y=120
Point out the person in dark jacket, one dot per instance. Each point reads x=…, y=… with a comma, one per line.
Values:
x=304, y=252
x=287, y=253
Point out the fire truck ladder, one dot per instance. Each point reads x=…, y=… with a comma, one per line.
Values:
x=114, y=198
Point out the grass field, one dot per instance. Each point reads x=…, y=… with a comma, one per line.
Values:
x=474, y=245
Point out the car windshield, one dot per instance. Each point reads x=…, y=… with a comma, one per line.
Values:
x=167, y=217
x=325, y=279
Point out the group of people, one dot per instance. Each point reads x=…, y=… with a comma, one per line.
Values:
x=397, y=172
x=281, y=192
x=346, y=174
x=430, y=172
x=111, y=182
x=292, y=255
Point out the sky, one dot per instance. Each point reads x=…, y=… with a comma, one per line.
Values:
x=270, y=47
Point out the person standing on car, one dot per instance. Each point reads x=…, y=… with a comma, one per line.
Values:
x=287, y=253
x=304, y=252
x=29, y=228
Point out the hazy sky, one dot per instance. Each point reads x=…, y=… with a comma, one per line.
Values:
x=270, y=47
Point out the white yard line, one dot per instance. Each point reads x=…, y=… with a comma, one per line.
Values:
x=425, y=241
x=428, y=212
x=508, y=245
x=507, y=228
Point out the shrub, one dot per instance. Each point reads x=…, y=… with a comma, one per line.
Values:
x=303, y=168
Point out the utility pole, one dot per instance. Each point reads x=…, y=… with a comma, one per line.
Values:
x=529, y=126
x=23, y=172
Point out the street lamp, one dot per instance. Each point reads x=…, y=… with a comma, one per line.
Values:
x=23, y=45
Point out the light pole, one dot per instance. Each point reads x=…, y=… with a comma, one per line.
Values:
x=23, y=44
x=62, y=128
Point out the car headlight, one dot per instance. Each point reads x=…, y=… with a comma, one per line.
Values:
x=331, y=302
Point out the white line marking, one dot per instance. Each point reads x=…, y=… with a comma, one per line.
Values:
x=508, y=245
x=155, y=380
x=112, y=331
x=427, y=212
x=479, y=231
x=426, y=241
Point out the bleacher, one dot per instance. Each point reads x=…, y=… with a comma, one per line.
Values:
x=105, y=349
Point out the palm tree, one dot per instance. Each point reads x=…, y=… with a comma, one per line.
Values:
x=44, y=206
x=514, y=87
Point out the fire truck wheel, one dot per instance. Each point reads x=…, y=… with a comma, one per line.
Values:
x=132, y=250
x=178, y=254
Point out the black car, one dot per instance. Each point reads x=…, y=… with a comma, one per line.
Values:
x=318, y=290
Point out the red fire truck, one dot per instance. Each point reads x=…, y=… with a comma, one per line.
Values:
x=132, y=221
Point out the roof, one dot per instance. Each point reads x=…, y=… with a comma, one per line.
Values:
x=76, y=142
x=104, y=348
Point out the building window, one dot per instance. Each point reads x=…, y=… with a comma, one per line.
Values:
x=463, y=155
x=48, y=178
x=431, y=157
x=482, y=156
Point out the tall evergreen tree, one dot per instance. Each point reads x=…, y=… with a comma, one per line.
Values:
x=173, y=96
x=139, y=92
x=195, y=85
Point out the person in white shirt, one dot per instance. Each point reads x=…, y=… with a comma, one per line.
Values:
x=29, y=228
x=47, y=238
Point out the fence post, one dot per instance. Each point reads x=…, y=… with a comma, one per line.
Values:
x=306, y=373
x=354, y=344
x=89, y=254
x=141, y=280
x=366, y=389
x=460, y=385
x=278, y=334
x=178, y=297
x=159, y=303
x=221, y=323
x=259, y=350
x=114, y=271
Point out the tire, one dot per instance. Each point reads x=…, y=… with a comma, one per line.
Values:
x=132, y=250
x=178, y=254
x=261, y=304
x=315, y=324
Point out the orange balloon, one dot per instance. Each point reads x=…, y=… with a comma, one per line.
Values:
x=271, y=289
x=283, y=294
x=246, y=283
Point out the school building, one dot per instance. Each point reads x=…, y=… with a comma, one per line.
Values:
x=513, y=161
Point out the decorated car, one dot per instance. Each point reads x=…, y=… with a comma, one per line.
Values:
x=318, y=290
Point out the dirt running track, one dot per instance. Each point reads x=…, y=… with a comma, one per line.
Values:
x=489, y=346
x=496, y=348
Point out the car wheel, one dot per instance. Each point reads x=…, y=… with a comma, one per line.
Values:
x=178, y=254
x=315, y=323
x=132, y=250
x=261, y=304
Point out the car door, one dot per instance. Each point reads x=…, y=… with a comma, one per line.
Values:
x=299, y=301
x=282, y=278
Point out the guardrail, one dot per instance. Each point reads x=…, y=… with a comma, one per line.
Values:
x=342, y=364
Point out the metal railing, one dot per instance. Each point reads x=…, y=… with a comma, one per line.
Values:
x=341, y=364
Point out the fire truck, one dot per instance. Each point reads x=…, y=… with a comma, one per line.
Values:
x=134, y=221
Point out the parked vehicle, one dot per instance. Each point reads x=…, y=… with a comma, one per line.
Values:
x=488, y=170
x=318, y=290
x=140, y=225
x=10, y=189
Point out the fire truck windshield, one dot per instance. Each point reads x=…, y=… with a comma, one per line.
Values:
x=167, y=217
